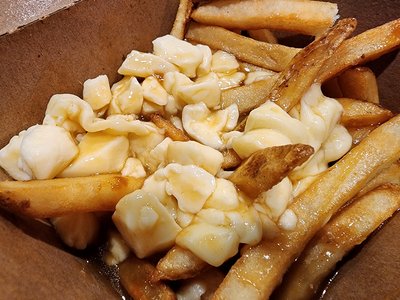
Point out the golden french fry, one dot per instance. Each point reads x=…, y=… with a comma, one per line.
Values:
x=350, y=227
x=171, y=131
x=267, y=167
x=207, y=282
x=360, y=133
x=260, y=269
x=179, y=263
x=248, y=97
x=231, y=159
x=263, y=35
x=61, y=196
x=270, y=56
x=307, y=17
x=359, y=83
x=362, y=48
x=358, y=113
x=247, y=67
x=331, y=88
x=296, y=79
x=136, y=277
x=181, y=19
x=390, y=175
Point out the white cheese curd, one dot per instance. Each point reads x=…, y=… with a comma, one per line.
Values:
x=97, y=92
x=190, y=185
x=157, y=157
x=47, y=150
x=224, y=197
x=224, y=63
x=181, y=53
x=213, y=244
x=269, y=227
x=155, y=185
x=117, y=249
x=153, y=91
x=255, y=76
x=145, y=223
x=172, y=81
x=278, y=197
x=205, y=91
x=231, y=80
x=229, y=137
x=10, y=159
x=76, y=115
x=183, y=218
x=133, y=168
x=145, y=64
x=254, y=140
x=337, y=144
x=271, y=116
x=127, y=97
x=247, y=224
x=288, y=220
x=205, y=67
x=207, y=126
x=151, y=108
x=99, y=153
x=211, y=216
x=194, y=153
x=77, y=230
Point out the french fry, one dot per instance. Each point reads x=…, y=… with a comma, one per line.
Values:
x=248, y=97
x=296, y=79
x=362, y=48
x=263, y=35
x=247, y=67
x=171, y=131
x=267, y=167
x=307, y=17
x=61, y=196
x=136, y=277
x=359, y=83
x=390, y=175
x=231, y=159
x=181, y=19
x=359, y=133
x=350, y=227
x=270, y=56
x=332, y=89
x=260, y=268
x=358, y=113
x=179, y=263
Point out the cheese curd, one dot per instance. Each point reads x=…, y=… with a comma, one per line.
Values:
x=127, y=97
x=97, y=92
x=153, y=91
x=207, y=126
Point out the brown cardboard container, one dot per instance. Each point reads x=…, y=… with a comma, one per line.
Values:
x=56, y=55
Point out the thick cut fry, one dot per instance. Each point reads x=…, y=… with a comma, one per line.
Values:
x=179, y=263
x=248, y=97
x=267, y=167
x=332, y=89
x=358, y=113
x=307, y=17
x=57, y=197
x=362, y=48
x=136, y=277
x=360, y=133
x=171, y=131
x=247, y=67
x=359, y=83
x=269, y=56
x=390, y=175
x=263, y=35
x=296, y=79
x=181, y=19
x=349, y=228
x=260, y=269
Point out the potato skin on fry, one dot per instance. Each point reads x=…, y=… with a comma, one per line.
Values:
x=171, y=131
x=350, y=227
x=57, y=197
x=267, y=167
x=260, y=269
x=179, y=263
x=136, y=277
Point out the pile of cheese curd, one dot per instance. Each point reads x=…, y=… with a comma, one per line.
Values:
x=187, y=198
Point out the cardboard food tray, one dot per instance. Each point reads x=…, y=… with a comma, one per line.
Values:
x=56, y=55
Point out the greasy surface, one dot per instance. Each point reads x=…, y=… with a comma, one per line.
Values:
x=57, y=197
x=32, y=269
